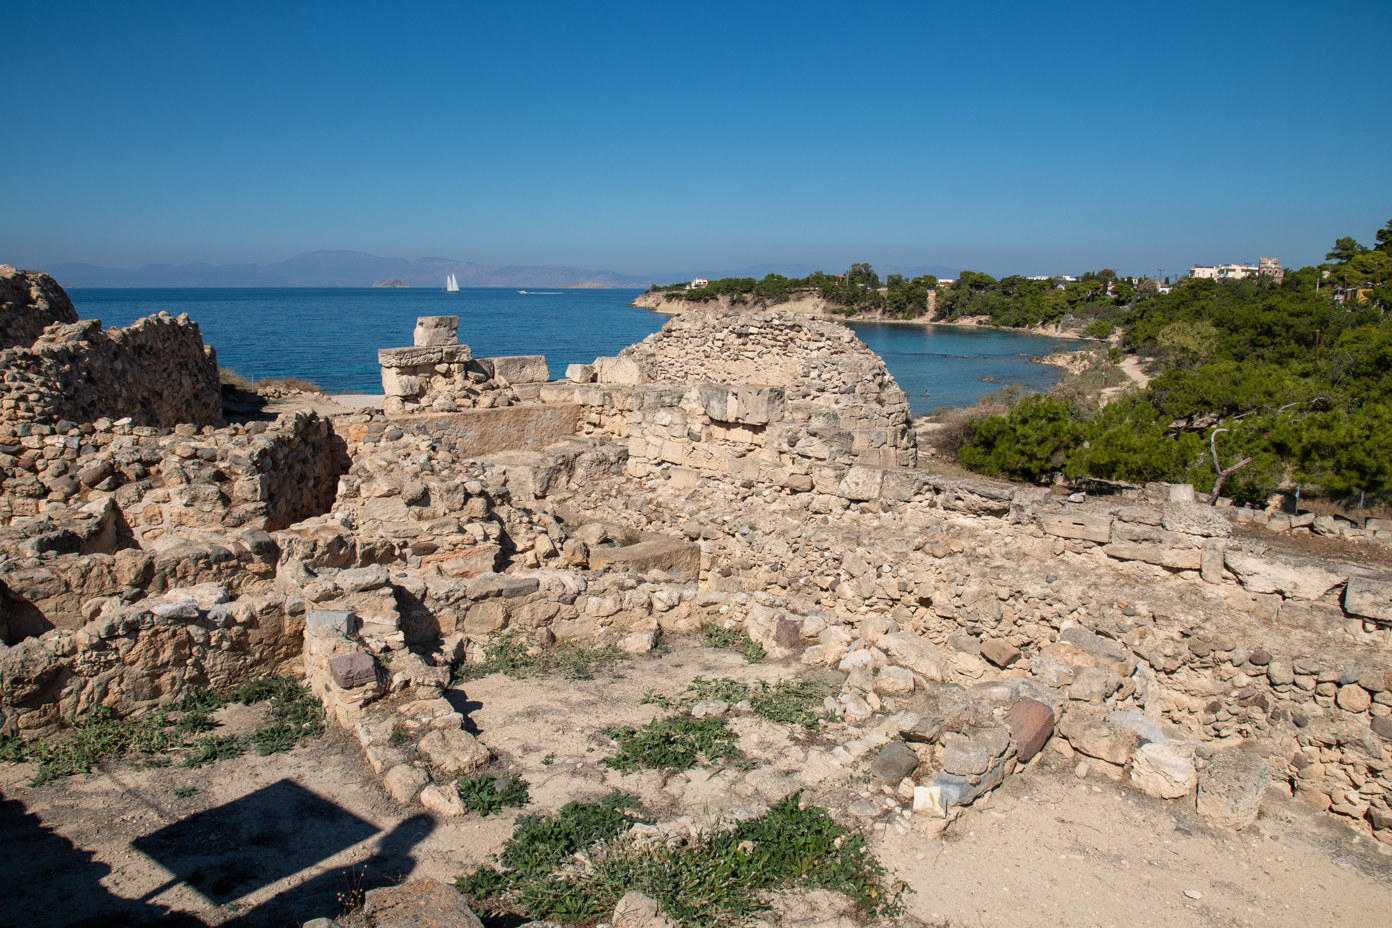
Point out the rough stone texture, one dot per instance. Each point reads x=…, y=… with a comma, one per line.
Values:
x=895, y=761
x=353, y=670
x=1195, y=519
x=436, y=330
x=1295, y=581
x=638, y=910
x=29, y=303
x=1031, y=723
x=1369, y=597
x=453, y=752
x=1231, y=787
x=1000, y=653
x=1092, y=735
x=1164, y=770
x=1087, y=526
x=427, y=903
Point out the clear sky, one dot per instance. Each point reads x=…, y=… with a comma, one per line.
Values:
x=1009, y=137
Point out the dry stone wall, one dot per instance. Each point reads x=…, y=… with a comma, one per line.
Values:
x=29, y=303
x=156, y=372
x=437, y=374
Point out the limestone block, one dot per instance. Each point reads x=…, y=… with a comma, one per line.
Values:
x=436, y=330
x=442, y=800
x=1369, y=597
x=618, y=370
x=1089, y=733
x=999, y=652
x=1160, y=555
x=404, y=782
x=1231, y=787
x=517, y=368
x=1085, y=526
x=1211, y=560
x=321, y=622
x=922, y=657
x=861, y=483
x=1195, y=519
x=580, y=373
x=424, y=356
x=894, y=681
x=453, y=751
x=1165, y=769
x=427, y=903
x=1292, y=580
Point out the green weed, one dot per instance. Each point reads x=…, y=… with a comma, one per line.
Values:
x=735, y=638
x=792, y=702
x=488, y=795
x=682, y=742
x=214, y=748
x=513, y=656
x=720, y=880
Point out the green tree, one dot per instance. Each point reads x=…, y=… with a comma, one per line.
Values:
x=1030, y=441
x=1384, y=239
x=1344, y=249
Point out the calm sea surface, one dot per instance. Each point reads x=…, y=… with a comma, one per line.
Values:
x=331, y=336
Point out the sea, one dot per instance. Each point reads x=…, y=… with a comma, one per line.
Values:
x=330, y=336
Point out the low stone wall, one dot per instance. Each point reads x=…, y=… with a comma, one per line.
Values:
x=475, y=433
x=29, y=303
x=136, y=657
x=157, y=372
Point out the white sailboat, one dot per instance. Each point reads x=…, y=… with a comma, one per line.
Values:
x=451, y=285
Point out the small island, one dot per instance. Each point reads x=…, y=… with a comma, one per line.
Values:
x=391, y=282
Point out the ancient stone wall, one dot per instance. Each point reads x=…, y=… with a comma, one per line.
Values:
x=156, y=372
x=29, y=303
x=437, y=374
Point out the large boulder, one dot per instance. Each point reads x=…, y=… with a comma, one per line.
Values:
x=1231, y=787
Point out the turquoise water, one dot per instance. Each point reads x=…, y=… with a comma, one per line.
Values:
x=330, y=336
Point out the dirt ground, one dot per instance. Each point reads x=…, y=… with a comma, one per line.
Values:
x=274, y=841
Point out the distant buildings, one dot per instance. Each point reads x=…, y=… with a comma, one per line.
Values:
x=1265, y=267
x=698, y=283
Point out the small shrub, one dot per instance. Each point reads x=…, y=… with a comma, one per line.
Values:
x=214, y=748
x=793, y=702
x=682, y=742
x=487, y=795
x=184, y=792
x=513, y=656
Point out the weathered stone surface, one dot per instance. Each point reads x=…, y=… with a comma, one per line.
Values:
x=1092, y=735
x=580, y=373
x=436, y=330
x=442, y=800
x=1369, y=597
x=618, y=371
x=517, y=369
x=1195, y=519
x=638, y=910
x=1094, y=645
x=1001, y=653
x=895, y=761
x=325, y=621
x=1164, y=770
x=403, y=783
x=1171, y=558
x=453, y=751
x=680, y=559
x=1231, y=787
x=353, y=670
x=894, y=681
x=1031, y=723
x=1295, y=581
x=1087, y=526
x=427, y=903
x=920, y=656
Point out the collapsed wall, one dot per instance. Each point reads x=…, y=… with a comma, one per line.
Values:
x=29, y=303
x=157, y=372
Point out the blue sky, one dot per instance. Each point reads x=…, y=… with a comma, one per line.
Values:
x=641, y=137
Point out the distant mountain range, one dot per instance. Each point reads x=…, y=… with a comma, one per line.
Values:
x=356, y=269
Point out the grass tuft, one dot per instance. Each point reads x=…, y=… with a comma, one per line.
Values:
x=682, y=742
x=512, y=655
x=792, y=702
x=735, y=638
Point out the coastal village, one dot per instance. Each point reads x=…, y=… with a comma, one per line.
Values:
x=712, y=575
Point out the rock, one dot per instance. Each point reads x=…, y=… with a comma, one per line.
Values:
x=1369, y=598
x=1280, y=672
x=895, y=761
x=320, y=622
x=350, y=671
x=404, y=782
x=1353, y=698
x=638, y=643
x=920, y=656
x=1231, y=787
x=1195, y=519
x=436, y=330
x=966, y=757
x=894, y=681
x=453, y=751
x=1164, y=770
x=1031, y=723
x=1093, y=685
x=1001, y=653
x=1294, y=581
x=361, y=579
x=427, y=903
x=786, y=633
x=1382, y=727
x=1092, y=735
x=442, y=800
x=638, y=910
x=1087, y=527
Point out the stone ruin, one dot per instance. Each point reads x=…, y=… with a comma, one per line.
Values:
x=763, y=467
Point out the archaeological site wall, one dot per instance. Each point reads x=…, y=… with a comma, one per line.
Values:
x=29, y=303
